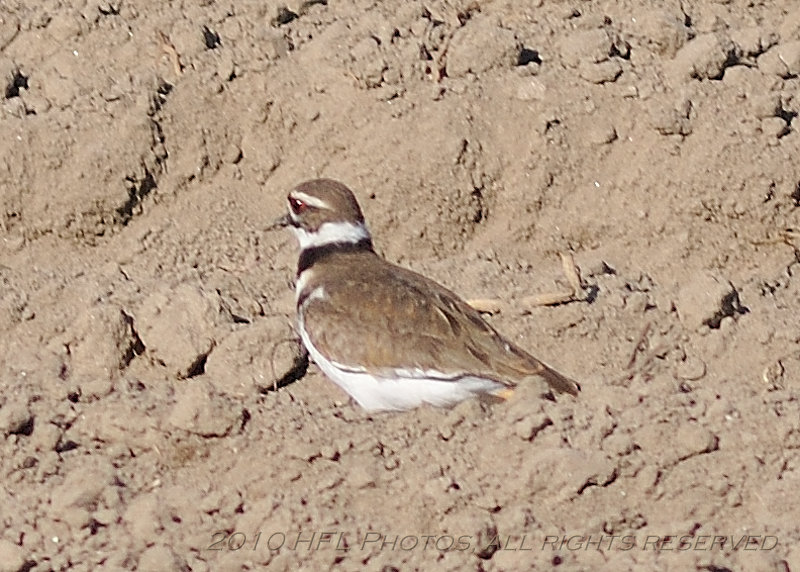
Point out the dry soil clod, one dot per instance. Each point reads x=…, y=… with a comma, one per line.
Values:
x=296, y=370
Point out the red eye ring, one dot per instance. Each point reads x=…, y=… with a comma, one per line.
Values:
x=297, y=205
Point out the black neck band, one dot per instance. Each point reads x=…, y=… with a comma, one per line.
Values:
x=310, y=256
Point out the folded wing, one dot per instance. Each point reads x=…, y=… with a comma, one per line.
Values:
x=438, y=336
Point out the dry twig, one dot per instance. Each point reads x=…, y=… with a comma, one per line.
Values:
x=169, y=48
x=575, y=294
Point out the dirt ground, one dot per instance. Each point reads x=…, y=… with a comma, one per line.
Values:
x=146, y=316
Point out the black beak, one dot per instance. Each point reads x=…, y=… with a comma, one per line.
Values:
x=281, y=222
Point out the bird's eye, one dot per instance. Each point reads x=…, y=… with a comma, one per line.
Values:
x=297, y=205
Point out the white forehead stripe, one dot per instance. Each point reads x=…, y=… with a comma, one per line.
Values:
x=331, y=233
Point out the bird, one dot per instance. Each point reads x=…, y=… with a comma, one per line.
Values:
x=391, y=338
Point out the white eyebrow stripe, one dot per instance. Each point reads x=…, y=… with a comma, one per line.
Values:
x=309, y=200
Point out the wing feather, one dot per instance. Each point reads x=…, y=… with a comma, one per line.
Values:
x=391, y=313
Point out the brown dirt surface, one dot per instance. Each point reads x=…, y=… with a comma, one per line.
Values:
x=146, y=318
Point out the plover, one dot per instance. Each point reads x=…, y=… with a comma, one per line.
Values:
x=390, y=337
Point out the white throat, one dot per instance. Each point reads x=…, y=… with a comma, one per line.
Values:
x=330, y=233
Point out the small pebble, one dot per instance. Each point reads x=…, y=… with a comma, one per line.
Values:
x=691, y=369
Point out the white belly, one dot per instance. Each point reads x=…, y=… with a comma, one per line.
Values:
x=399, y=393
